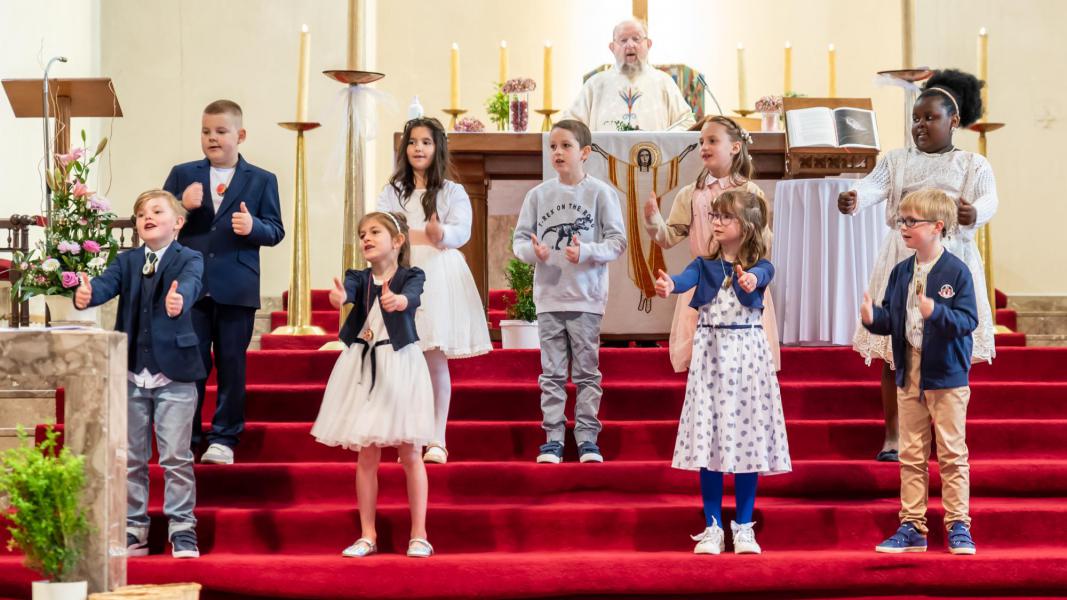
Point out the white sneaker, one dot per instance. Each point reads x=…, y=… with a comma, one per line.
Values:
x=435, y=454
x=710, y=541
x=744, y=538
x=217, y=454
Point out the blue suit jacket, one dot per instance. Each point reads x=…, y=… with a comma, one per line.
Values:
x=174, y=343
x=707, y=276
x=947, y=342
x=400, y=324
x=231, y=261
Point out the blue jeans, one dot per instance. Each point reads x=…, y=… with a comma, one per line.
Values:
x=169, y=410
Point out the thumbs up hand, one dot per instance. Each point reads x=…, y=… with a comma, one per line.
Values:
x=242, y=221
x=540, y=250
x=338, y=295
x=664, y=284
x=392, y=302
x=967, y=214
x=867, y=309
x=651, y=206
x=84, y=294
x=574, y=249
x=846, y=202
x=174, y=301
x=434, y=231
x=747, y=281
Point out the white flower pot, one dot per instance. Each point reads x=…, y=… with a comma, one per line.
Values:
x=519, y=334
x=63, y=313
x=47, y=590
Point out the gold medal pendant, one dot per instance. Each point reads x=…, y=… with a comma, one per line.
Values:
x=367, y=335
x=726, y=283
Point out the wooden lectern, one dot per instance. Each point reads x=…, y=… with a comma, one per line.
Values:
x=82, y=97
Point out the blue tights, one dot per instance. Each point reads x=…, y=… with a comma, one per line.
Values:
x=744, y=494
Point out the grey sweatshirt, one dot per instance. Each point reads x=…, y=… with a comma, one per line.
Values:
x=555, y=212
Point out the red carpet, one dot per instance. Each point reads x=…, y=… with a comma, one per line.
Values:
x=274, y=524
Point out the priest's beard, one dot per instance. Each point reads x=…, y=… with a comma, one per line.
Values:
x=631, y=70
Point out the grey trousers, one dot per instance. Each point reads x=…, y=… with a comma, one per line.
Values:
x=169, y=411
x=574, y=338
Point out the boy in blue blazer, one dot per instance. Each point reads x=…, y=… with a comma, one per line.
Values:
x=156, y=285
x=239, y=213
x=930, y=310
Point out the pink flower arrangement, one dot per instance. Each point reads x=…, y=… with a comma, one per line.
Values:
x=519, y=85
x=99, y=203
x=91, y=246
x=80, y=190
x=469, y=125
x=69, y=279
x=769, y=104
x=69, y=247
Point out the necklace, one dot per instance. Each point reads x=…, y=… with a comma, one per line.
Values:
x=221, y=188
x=726, y=279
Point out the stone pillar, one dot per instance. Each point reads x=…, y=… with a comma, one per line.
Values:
x=90, y=365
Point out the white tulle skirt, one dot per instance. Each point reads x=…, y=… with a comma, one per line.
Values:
x=451, y=317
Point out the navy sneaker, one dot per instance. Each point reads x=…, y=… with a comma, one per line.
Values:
x=183, y=544
x=959, y=539
x=552, y=453
x=907, y=539
x=589, y=452
x=134, y=546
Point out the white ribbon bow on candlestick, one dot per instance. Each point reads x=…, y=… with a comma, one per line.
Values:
x=889, y=80
x=363, y=101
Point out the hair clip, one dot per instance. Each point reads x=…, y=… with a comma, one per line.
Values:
x=746, y=136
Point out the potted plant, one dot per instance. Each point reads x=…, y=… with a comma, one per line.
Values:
x=519, y=330
x=497, y=107
x=78, y=239
x=42, y=489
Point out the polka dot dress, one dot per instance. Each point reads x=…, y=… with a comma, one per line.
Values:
x=732, y=418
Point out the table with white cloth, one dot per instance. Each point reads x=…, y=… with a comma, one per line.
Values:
x=823, y=261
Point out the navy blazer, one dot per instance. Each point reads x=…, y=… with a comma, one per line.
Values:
x=400, y=324
x=231, y=271
x=947, y=342
x=174, y=343
x=707, y=276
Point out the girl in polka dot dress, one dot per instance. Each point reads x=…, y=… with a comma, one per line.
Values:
x=732, y=418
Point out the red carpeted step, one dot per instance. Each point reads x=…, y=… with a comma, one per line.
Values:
x=327, y=319
x=499, y=299
x=1013, y=339
x=295, y=342
x=1001, y=299
x=495, y=316
x=1007, y=317
x=320, y=300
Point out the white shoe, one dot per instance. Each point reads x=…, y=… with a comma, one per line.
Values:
x=744, y=538
x=362, y=547
x=435, y=454
x=217, y=454
x=420, y=548
x=710, y=541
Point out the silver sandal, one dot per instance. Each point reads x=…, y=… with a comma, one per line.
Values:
x=362, y=547
x=420, y=548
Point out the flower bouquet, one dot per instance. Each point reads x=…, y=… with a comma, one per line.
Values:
x=518, y=93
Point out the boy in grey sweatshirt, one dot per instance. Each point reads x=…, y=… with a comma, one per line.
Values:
x=570, y=228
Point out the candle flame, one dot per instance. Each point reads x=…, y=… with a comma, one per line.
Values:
x=304, y=28
x=548, y=44
x=831, y=47
x=740, y=46
x=503, y=44
x=788, y=45
x=982, y=31
x=455, y=46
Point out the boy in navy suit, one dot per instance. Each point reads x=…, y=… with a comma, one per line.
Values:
x=930, y=311
x=157, y=285
x=228, y=226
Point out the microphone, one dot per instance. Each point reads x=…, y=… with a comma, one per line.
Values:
x=47, y=140
x=703, y=82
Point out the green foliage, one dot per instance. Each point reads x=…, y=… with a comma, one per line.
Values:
x=625, y=126
x=43, y=486
x=519, y=276
x=497, y=107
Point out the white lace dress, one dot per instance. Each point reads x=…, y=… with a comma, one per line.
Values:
x=958, y=173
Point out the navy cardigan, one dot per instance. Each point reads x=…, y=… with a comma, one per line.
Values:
x=400, y=324
x=947, y=342
x=707, y=276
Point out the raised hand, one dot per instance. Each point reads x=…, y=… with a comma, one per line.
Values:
x=747, y=281
x=664, y=284
x=338, y=295
x=434, y=231
x=966, y=214
x=242, y=221
x=926, y=306
x=84, y=294
x=392, y=302
x=174, y=301
x=651, y=205
x=574, y=249
x=867, y=309
x=846, y=202
x=540, y=250
x=193, y=196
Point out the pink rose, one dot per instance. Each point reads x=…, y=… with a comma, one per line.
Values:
x=91, y=246
x=70, y=279
x=80, y=190
x=99, y=203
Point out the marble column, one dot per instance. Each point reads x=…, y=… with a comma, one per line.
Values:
x=90, y=365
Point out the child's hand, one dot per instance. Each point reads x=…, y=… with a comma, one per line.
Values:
x=664, y=284
x=966, y=214
x=926, y=306
x=174, y=301
x=434, y=231
x=242, y=221
x=392, y=302
x=574, y=249
x=867, y=309
x=846, y=202
x=747, y=281
x=193, y=196
x=338, y=295
x=84, y=294
x=540, y=250
x=651, y=206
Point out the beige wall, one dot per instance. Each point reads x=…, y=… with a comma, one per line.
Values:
x=169, y=58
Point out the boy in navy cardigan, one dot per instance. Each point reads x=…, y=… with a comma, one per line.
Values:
x=228, y=225
x=930, y=310
x=157, y=284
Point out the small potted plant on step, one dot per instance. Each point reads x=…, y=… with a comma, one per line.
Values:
x=519, y=330
x=41, y=488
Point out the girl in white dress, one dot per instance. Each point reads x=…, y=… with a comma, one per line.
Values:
x=732, y=420
x=379, y=393
x=439, y=213
x=950, y=99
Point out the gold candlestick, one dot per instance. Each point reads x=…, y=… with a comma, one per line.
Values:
x=454, y=113
x=984, y=239
x=298, y=321
x=547, y=113
x=744, y=112
x=912, y=75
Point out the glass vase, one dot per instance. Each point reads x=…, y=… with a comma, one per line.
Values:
x=519, y=111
